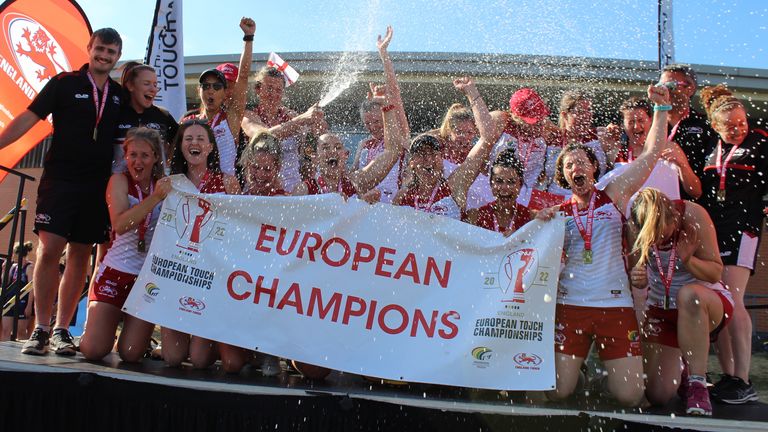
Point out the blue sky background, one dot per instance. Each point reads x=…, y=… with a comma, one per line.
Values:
x=715, y=32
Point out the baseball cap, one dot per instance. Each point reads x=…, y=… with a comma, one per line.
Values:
x=215, y=73
x=229, y=70
x=528, y=105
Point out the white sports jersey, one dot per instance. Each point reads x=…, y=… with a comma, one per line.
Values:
x=604, y=282
x=388, y=186
x=664, y=177
x=124, y=255
x=225, y=142
x=479, y=193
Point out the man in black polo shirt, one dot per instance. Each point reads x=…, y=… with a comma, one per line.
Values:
x=687, y=127
x=71, y=208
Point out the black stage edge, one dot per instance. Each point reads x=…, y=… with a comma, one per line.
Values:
x=52, y=393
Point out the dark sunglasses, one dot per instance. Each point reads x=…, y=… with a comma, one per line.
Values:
x=215, y=86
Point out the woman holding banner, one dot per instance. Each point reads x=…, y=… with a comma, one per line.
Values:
x=678, y=259
x=134, y=199
x=429, y=190
x=594, y=299
x=195, y=154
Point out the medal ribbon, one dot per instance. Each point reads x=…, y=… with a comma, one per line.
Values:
x=586, y=234
x=496, y=220
x=430, y=203
x=722, y=167
x=144, y=226
x=99, y=104
x=666, y=279
x=324, y=187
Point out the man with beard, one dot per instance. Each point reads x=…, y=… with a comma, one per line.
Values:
x=71, y=211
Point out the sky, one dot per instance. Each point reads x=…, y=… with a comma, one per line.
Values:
x=713, y=32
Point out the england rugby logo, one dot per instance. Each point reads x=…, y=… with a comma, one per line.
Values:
x=37, y=53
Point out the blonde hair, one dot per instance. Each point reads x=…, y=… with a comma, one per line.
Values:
x=652, y=214
x=457, y=113
x=718, y=98
x=568, y=103
x=151, y=137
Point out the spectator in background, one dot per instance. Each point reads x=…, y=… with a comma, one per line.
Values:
x=20, y=276
x=71, y=212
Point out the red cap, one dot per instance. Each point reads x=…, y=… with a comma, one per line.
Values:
x=229, y=70
x=528, y=105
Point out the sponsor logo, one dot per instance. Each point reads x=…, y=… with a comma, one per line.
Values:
x=124, y=126
x=527, y=359
x=42, y=218
x=150, y=292
x=633, y=336
x=107, y=291
x=482, y=353
x=695, y=130
x=116, y=99
x=514, y=274
x=81, y=96
x=37, y=53
x=191, y=305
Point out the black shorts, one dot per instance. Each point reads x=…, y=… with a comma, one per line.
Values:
x=75, y=211
x=738, y=248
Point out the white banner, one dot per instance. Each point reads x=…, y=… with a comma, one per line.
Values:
x=375, y=290
x=165, y=52
x=666, y=36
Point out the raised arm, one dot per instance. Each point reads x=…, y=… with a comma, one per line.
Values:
x=125, y=218
x=395, y=139
x=240, y=92
x=628, y=182
x=463, y=177
x=689, y=180
x=382, y=43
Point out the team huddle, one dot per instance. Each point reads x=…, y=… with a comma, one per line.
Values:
x=663, y=212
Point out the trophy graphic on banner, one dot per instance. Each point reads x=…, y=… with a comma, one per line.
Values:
x=200, y=213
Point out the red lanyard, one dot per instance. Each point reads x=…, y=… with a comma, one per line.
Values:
x=430, y=203
x=98, y=103
x=666, y=279
x=324, y=187
x=145, y=226
x=586, y=234
x=204, y=180
x=674, y=129
x=722, y=166
x=496, y=220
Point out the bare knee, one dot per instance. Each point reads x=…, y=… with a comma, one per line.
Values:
x=94, y=351
x=130, y=355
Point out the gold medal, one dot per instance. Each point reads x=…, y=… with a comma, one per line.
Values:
x=142, y=246
x=666, y=302
x=95, y=134
x=587, y=255
x=721, y=195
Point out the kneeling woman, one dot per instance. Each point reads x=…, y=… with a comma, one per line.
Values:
x=133, y=198
x=688, y=305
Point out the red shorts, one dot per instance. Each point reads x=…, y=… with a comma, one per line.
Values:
x=660, y=325
x=613, y=329
x=111, y=286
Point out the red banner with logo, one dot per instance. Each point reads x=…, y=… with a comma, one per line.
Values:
x=40, y=38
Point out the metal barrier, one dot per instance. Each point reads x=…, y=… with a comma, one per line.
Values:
x=17, y=219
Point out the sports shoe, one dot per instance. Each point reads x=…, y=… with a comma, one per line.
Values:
x=62, y=343
x=270, y=365
x=37, y=344
x=697, y=398
x=724, y=382
x=738, y=392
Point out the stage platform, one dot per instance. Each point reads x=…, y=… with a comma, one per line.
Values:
x=68, y=393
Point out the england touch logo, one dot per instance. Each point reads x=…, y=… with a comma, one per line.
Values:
x=37, y=54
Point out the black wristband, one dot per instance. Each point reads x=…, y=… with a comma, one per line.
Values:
x=248, y=38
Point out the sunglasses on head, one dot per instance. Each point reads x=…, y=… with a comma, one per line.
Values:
x=215, y=86
x=195, y=122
